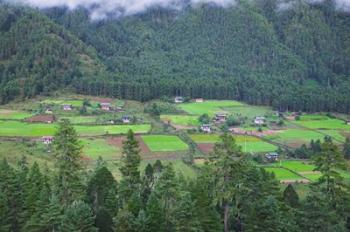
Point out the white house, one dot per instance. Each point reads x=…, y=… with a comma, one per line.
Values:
x=126, y=119
x=179, y=100
x=67, y=107
x=199, y=100
x=206, y=128
x=259, y=121
x=47, y=139
x=272, y=156
x=105, y=106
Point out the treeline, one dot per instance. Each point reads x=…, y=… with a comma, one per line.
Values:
x=295, y=58
x=228, y=194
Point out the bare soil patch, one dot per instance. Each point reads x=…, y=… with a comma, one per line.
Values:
x=206, y=147
x=118, y=142
x=46, y=118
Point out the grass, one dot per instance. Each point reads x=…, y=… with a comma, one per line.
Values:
x=14, y=114
x=322, y=122
x=21, y=129
x=182, y=120
x=93, y=148
x=298, y=136
x=179, y=167
x=207, y=107
x=248, y=143
x=74, y=103
x=248, y=111
x=164, y=143
x=297, y=165
x=283, y=174
x=80, y=119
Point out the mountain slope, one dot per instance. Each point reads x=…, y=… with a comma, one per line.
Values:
x=38, y=56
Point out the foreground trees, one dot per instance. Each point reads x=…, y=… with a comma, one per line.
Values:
x=229, y=194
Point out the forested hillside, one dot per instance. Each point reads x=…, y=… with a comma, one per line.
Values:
x=296, y=58
x=38, y=56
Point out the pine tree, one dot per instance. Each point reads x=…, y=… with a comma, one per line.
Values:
x=53, y=215
x=4, y=213
x=155, y=220
x=129, y=169
x=186, y=215
x=104, y=221
x=78, y=217
x=290, y=196
x=228, y=168
x=68, y=152
x=346, y=149
x=99, y=186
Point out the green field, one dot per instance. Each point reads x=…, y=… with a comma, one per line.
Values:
x=248, y=143
x=182, y=120
x=207, y=107
x=322, y=122
x=283, y=174
x=164, y=143
x=296, y=165
x=14, y=114
x=80, y=119
x=248, y=111
x=298, y=136
x=21, y=129
x=74, y=103
x=93, y=148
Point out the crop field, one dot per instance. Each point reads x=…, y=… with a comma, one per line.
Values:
x=207, y=107
x=93, y=148
x=182, y=120
x=248, y=143
x=248, y=111
x=80, y=119
x=14, y=114
x=21, y=129
x=322, y=122
x=164, y=143
x=74, y=103
x=283, y=174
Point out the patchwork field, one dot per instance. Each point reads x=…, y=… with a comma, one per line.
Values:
x=168, y=143
x=248, y=143
x=284, y=174
x=322, y=122
x=14, y=114
x=74, y=103
x=80, y=119
x=181, y=120
x=21, y=129
x=207, y=107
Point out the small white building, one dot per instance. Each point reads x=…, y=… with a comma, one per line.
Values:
x=67, y=107
x=199, y=100
x=105, y=106
x=126, y=119
x=47, y=139
x=272, y=156
x=179, y=100
x=48, y=111
x=206, y=128
x=259, y=121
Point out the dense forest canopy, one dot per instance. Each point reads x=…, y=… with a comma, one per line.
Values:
x=295, y=58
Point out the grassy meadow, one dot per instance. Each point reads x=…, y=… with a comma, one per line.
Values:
x=207, y=107
x=168, y=143
x=93, y=148
x=14, y=114
x=181, y=120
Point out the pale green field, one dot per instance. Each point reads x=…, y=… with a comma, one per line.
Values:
x=248, y=111
x=247, y=143
x=74, y=103
x=283, y=174
x=14, y=114
x=164, y=143
x=21, y=129
x=182, y=120
x=93, y=148
x=208, y=107
x=80, y=119
x=322, y=122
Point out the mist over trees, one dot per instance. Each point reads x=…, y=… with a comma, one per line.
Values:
x=296, y=58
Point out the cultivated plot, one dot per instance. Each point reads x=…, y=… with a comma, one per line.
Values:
x=159, y=143
x=207, y=107
x=14, y=114
x=181, y=120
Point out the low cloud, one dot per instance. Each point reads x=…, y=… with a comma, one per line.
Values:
x=102, y=8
